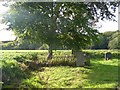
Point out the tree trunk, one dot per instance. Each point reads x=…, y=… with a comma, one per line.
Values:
x=50, y=53
x=73, y=52
x=80, y=58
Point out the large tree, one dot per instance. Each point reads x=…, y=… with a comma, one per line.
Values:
x=56, y=24
x=35, y=22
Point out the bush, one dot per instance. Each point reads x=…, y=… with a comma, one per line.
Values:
x=32, y=56
x=11, y=72
x=20, y=58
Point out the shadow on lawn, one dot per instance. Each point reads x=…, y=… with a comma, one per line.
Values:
x=103, y=74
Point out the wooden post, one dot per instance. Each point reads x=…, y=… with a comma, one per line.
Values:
x=50, y=53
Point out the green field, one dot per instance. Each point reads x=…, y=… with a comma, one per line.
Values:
x=21, y=70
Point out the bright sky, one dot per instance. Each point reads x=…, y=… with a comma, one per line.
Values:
x=4, y=34
x=9, y=35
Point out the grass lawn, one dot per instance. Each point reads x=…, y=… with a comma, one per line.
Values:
x=101, y=74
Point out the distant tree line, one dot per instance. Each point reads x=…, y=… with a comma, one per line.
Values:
x=107, y=40
x=25, y=44
x=22, y=45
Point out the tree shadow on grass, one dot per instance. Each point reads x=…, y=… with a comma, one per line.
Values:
x=103, y=75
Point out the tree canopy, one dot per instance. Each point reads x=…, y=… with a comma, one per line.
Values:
x=114, y=43
x=56, y=24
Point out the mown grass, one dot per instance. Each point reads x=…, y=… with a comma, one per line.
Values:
x=104, y=74
x=101, y=73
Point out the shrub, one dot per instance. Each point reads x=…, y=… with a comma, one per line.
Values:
x=11, y=72
x=20, y=58
x=32, y=56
